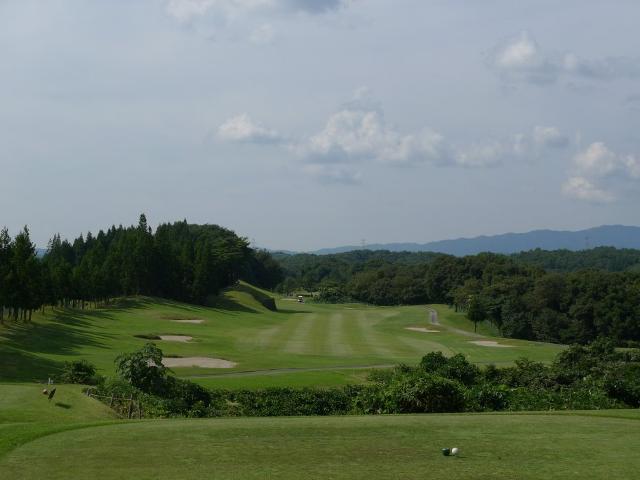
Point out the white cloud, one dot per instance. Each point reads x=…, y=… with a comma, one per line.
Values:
x=520, y=59
x=632, y=164
x=519, y=146
x=482, y=155
x=596, y=160
x=597, y=163
x=352, y=135
x=549, y=137
x=188, y=10
x=582, y=189
x=358, y=133
x=242, y=129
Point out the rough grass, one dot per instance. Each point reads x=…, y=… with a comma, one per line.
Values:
x=239, y=329
x=493, y=446
x=26, y=414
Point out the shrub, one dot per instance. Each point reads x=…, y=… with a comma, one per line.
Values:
x=79, y=371
x=622, y=382
x=454, y=368
x=418, y=393
x=143, y=369
x=487, y=397
x=425, y=394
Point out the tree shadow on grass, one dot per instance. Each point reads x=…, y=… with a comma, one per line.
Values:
x=62, y=333
x=293, y=312
x=23, y=366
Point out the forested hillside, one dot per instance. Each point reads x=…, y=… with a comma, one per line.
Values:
x=601, y=258
x=178, y=261
x=597, y=295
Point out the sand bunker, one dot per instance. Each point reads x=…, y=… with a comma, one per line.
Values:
x=203, y=362
x=176, y=338
x=194, y=320
x=490, y=343
x=422, y=329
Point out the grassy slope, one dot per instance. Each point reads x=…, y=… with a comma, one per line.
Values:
x=26, y=414
x=297, y=337
x=493, y=446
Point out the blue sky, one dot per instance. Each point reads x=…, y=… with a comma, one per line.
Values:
x=303, y=124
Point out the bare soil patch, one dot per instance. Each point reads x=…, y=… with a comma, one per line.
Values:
x=490, y=343
x=191, y=320
x=176, y=338
x=202, y=362
x=422, y=329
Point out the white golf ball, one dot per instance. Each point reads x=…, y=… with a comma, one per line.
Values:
x=454, y=451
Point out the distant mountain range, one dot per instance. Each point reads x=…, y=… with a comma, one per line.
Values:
x=618, y=236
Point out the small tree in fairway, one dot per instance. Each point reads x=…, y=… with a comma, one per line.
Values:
x=143, y=369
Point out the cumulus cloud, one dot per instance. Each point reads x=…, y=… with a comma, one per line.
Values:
x=242, y=129
x=353, y=135
x=632, y=165
x=596, y=160
x=549, y=137
x=358, y=134
x=599, y=164
x=582, y=189
x=482, y=154
x=520, y=146
x=521, y=59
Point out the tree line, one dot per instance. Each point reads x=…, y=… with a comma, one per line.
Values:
x=522, y=300
x=179, y=261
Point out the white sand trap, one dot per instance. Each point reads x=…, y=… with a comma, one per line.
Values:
x=490, y=343
x=195, y=320
x=203, y=362
x=421, y=329
x=176, y=338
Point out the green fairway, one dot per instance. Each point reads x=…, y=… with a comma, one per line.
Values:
x=305, y=344
x=492, y=446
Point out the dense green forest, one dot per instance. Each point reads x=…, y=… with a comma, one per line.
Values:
x=311, y=271
x=595, y=293
x=609, y=259
x=179, y=261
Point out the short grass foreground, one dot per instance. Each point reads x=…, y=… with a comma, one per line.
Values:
x=308, y=344
x=73, y=438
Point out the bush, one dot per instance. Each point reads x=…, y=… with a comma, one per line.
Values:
x=143, y=369
x=454, y=368
x=418, y=393
x=622, y=382
x=270, y=402
x=80, y=371
x=486, y=397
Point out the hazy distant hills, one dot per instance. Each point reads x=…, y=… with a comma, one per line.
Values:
x=618, y=236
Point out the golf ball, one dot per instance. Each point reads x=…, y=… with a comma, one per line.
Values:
x=454, y=451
